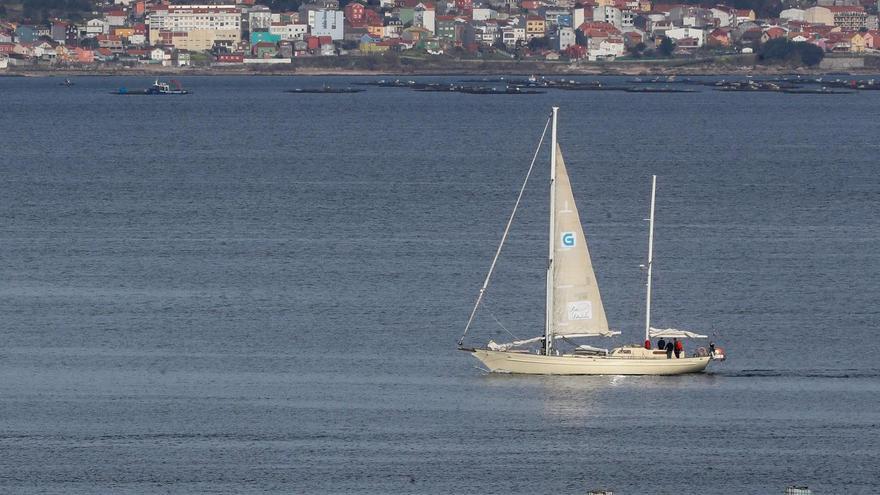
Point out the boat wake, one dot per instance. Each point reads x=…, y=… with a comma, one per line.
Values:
x=809, y=373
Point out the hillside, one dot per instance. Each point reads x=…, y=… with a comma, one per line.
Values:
x=39, y=11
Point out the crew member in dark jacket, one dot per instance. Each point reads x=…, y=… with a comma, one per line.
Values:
x=661, y=344
x=669, y=348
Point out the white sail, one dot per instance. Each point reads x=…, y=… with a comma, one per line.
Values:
x=577, y=305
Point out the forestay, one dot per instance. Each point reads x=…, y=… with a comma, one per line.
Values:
x=577, y=305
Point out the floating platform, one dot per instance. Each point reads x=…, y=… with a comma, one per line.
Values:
x=659, y=90
x=818, y=91
x=324, y=90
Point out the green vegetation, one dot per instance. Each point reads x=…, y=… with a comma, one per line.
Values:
x=795, y=53
x=638, y=50
x=539, y=43
x=667, y=46
x=40, y=11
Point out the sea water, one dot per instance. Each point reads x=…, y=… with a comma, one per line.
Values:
x=247, y=291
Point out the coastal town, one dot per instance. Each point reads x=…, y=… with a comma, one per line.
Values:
x=148, y=33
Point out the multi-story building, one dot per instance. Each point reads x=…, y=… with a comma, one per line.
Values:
x=565, y=38
x=425, y=16
x=289, y=31
x=535, y=27
x=609, y=14
x=195, y=27
x=328, y=23
x=512, y=35
x=849, y=18
x=259, y=18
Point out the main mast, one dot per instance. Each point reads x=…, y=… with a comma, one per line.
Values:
x=548, y=330
x=650, y=260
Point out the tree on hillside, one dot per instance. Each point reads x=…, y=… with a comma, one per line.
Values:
x=638, y=49
x=781, y=50
x=283, y=5
x=667, y=46
x=538, y=43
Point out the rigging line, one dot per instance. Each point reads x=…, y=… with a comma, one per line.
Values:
x=492, y=314
x=504, y=236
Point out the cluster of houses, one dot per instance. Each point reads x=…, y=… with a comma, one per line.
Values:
x=155, y=32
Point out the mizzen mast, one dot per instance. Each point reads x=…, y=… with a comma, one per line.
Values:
x=548, y=331
x=650, y=260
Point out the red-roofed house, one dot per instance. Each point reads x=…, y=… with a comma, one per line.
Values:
x=872, y=40
x=838, y=41
x=772, y=33
x=719, y=37
x=115, y=17
x=82, y=56
x=264, y=49
x=103, y=54
x=114, y=43
x=745, y=15
x=632, y=38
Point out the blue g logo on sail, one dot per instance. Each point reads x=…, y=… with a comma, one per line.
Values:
x=568, y=239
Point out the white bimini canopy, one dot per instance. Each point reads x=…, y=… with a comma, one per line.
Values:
x=670, y=333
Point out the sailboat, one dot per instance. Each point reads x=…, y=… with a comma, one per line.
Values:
x=573, y=304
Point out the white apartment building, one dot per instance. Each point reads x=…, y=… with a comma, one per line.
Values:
x=206, y=23
x=290, y=31
x=328, y=23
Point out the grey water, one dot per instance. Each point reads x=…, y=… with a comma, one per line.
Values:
x=247, y=291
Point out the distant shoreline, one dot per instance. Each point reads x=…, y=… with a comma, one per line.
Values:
x=361, y=67
x=330, y=72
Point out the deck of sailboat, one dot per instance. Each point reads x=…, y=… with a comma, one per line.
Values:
x=571, y=364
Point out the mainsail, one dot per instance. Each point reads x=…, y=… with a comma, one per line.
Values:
x=577, y=305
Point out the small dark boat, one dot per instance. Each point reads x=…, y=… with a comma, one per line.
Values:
x=66, y=83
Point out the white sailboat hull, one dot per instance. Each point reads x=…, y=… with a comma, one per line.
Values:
x=537, y=364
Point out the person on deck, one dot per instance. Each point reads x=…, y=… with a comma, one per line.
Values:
x=669, y=347
x=678, y=348
x=648, y=345
x=661, y=344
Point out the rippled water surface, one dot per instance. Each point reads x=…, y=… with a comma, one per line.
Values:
x=246, y=291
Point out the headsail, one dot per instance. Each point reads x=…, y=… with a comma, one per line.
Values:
x=577, y=305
